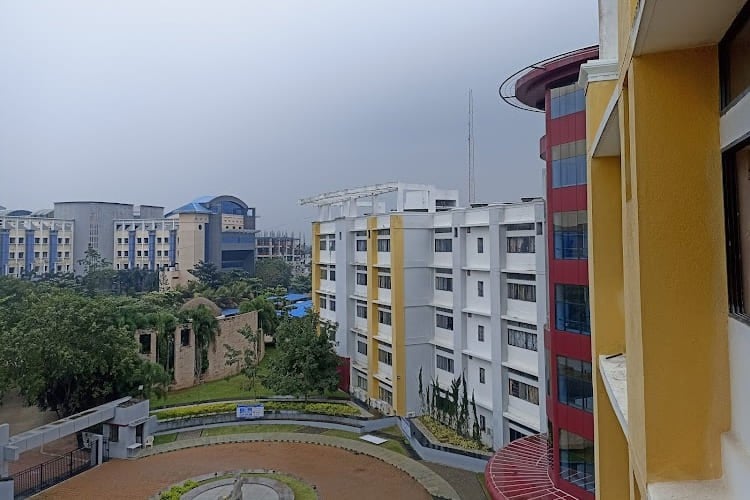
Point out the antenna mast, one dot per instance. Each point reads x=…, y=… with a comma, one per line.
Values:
x=472, y=181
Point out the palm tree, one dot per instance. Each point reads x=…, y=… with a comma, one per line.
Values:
x=205, y=327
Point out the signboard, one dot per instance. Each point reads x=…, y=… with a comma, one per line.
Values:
x=250, y=411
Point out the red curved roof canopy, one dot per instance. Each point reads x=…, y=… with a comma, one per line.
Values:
x=555, y=72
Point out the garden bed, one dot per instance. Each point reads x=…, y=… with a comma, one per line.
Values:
x=329, y=409
x=445, y=436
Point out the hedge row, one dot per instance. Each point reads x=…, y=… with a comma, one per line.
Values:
x=332, y=409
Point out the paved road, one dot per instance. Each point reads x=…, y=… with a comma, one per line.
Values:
x=337, y=473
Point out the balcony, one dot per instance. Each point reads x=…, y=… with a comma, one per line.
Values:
x=614, y=373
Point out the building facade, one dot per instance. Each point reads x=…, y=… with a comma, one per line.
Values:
x=281, y=245
x=668, y=124
x=552, y=87
x=35, y=244
x=448, y=291
x=148, y=244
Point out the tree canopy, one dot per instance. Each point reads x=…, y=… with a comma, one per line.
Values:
x=67, y=352
x=273, y=272
x=305, y=361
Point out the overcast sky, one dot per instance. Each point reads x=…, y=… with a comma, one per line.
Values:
x=158, y=102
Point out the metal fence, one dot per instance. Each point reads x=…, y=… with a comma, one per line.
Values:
x=42, y=476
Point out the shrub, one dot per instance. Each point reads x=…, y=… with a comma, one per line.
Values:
x=446, y=435
x=175, y=492
x=332, y=409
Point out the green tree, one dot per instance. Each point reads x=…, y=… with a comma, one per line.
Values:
x=305, y=361
x=268, y=320
x=98, y=275
x=205, y=326
x=273, y=272
x=476, y=433
x=207, y=274
x=302, y=283
x=69, y=352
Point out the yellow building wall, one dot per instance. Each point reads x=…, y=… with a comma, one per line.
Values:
x=398, y=314
x=372, y=307
x=674, y=267
x=315, y=267
x=606, y=292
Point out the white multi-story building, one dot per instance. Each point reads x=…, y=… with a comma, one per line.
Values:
x=419, y=284
x=35, y=244
x=145, y=243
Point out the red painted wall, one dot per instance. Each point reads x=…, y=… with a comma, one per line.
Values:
x=561, y=130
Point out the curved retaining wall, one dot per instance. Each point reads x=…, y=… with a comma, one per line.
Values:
x=290, y=417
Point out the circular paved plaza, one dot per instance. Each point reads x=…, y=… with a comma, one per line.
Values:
x=336, y=473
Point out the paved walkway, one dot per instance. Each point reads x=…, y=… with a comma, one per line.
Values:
x=467, y=484
x=337, y=467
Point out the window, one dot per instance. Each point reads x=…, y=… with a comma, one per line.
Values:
x=361, y=278
x=574, y=383
x=361, y=245
x=158, y=253
x=158, y=239
x=569, y=164
x=480, y=288
x=119, y=253
x=332, y=304
x=518, y=291
x=737, y=227
x=361, y=382
x=139, y=240
x=385, y=357
x=524, y=340
x=36, y=241
x=12, y=240
x=734, y=50
x=384, y=281
x=443, y=245
x=570, y=235
x=482, y=376
x=443, y=363
x=36, y=255
x=480, y=333
x=443, y=321
x=20, y=255
x=145, y=240
x=529, y=226
x=443, y=283
x=482, y=423
x=384, y=245
x=521, y=244
x=332, y=273
x=572, y=309
x=362, y=347
x=185, y=337
x=166, y=253
x=114, y=433
x=20, y=240
x=323, y=272
x=166, y=239
x=323, y=243
x=566, y=100
x=577, y=460
x=139, y=253
x=332, y=243
x=514, y=434
x=384, y=232
x=322, y=302
x=523, y=391
x=385, y=395
x=384, y=316
x=361, y=310
x=480, y=245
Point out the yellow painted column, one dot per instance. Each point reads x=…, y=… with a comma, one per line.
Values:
x=372, y=307
x=674, y=267
x=606, y=297
x=315, y=268
x=398, y=315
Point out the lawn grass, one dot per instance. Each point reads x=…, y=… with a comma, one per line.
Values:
x=341, y=434
x=164, y=438
x=235, y=387
x=245, y=429
x=302, y=491
x=392, y=444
